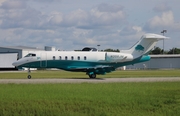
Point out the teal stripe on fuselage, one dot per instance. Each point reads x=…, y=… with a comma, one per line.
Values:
x=62, y=64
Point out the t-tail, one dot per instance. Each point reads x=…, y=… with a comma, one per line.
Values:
x=144, y=45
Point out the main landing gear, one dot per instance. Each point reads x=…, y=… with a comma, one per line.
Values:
x=92, y=75
x=29, y=73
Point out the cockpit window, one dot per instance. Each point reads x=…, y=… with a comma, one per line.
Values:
x=30, y=54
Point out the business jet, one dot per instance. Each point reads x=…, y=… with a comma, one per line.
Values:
x=90, y=60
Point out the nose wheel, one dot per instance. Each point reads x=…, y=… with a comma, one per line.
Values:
x=29, y=76
x=29, y=73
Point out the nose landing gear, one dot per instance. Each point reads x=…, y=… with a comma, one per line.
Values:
x=29, y=73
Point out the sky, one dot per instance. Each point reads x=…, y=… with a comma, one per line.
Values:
x=75, y=24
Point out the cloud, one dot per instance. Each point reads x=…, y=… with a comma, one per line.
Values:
x=166, y=19
x=105, y=14
x=162, y=8
x=77, y=28
x=130, y=30
x=13, y=4
x=56, y=18
x=109, y=8
x=97, y=17
x=27, y=17
x=48, y=1
x=16, y=14
x=20, y=15
x=25, y=22
x=76, y=18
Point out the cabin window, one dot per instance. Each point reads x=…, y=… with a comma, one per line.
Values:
x=60, y=57
x=66, y=58
x=54, y=57
x=78, y=57
x=72, y=58
x=85, y=58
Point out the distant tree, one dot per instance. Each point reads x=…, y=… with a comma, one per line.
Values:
x=77, y=50
x=111, y=50
x=174, y=51
x=157, y=50
x=117, y=50
x=108, y=50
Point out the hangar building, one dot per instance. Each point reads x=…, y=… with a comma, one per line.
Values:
x=10, y=54
x=159, y=62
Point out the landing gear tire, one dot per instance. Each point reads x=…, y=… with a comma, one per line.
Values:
x=92, y=76
x=29, y=76
x=29, y=72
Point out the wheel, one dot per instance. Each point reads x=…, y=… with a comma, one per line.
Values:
x=92, y=76
x=29, y=76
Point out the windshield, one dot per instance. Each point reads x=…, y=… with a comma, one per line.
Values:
x=30, y=54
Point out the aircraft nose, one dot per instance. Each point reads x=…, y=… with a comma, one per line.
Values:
x=15, y=63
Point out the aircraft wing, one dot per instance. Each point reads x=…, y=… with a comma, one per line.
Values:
x=100, y=69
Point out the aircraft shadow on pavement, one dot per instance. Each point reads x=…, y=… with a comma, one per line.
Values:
x=86, y=78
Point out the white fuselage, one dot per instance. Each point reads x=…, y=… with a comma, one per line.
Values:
x=81, y=56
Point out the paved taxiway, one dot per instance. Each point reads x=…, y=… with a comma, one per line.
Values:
x=84, y=80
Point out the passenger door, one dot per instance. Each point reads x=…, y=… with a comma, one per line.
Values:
x=43, y=62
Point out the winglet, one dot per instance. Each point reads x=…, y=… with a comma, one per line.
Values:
x=155, y=36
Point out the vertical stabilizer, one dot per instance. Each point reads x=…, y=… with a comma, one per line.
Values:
x=145, y=45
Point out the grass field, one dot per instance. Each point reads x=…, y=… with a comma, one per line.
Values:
x=85, y=99
x=90, y=99
x=115, y=74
